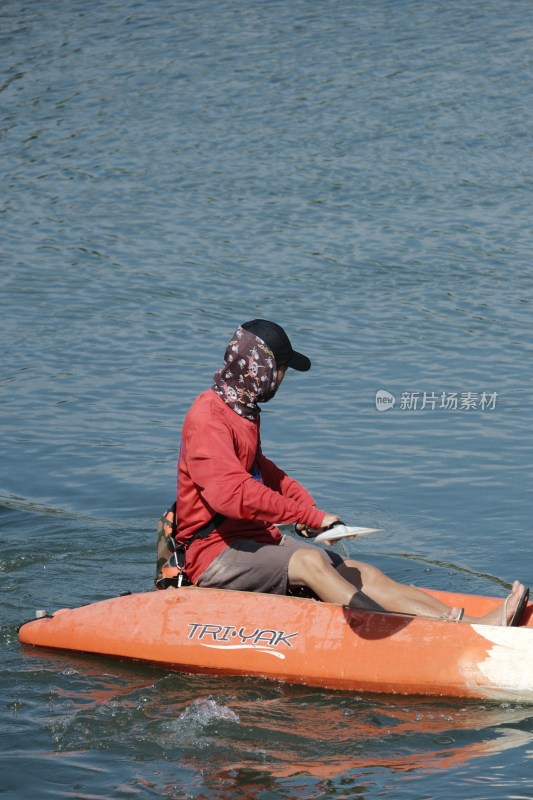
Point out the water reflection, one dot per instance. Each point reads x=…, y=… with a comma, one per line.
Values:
x=260, y=735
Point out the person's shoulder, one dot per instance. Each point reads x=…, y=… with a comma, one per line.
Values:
x=210, y=416
x=207, y=406
x=202, y=402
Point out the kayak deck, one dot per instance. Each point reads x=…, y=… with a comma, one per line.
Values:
x=302, y=641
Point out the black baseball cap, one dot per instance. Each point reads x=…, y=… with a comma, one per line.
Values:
x=277, y=340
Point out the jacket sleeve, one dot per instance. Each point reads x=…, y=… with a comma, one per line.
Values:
x=229, y=489
x=277, y=479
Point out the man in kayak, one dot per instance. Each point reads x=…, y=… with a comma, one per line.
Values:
x=230, y=498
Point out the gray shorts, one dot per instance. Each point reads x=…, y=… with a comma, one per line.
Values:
x=250, y=566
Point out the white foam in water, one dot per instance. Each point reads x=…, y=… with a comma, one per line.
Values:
x=206, y=710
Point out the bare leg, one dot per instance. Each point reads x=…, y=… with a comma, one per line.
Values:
x=313, y=569
x=375, y=590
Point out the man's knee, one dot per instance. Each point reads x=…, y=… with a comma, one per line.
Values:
x=306, y=563
x=351, y=571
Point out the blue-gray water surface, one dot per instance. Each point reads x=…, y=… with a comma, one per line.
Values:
x=359, y=172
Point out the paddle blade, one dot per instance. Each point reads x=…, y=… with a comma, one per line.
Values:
x=344, y=532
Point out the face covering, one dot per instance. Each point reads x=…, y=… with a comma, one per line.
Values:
x=249, y=374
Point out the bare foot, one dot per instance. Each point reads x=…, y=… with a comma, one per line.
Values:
x=500, y=616
x=504, y=614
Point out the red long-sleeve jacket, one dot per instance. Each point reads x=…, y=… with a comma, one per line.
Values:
x=221, y=469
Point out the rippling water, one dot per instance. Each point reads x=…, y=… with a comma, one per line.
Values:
x=362, y=174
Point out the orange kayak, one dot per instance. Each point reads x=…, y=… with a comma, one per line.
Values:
x=302, y=641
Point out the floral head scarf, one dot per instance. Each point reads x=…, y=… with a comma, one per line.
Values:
x=249, y=375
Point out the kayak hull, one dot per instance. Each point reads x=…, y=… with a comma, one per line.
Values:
x=302, y=641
